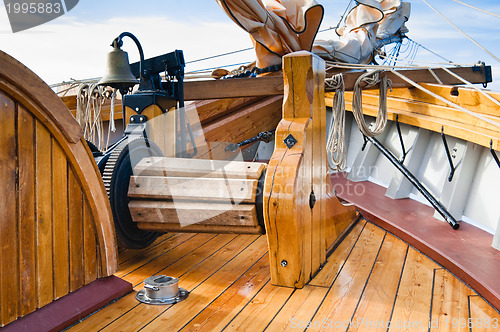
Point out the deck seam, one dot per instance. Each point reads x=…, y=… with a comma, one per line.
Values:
x=340, y=270
x=399, y=284
x=239, y=312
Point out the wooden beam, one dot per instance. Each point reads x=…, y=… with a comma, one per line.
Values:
x=273, y=85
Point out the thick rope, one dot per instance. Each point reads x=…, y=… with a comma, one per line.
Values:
x=335, y=145
x=371, y=79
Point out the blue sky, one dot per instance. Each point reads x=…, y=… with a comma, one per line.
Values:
x=75, y=45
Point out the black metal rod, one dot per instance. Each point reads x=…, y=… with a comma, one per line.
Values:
x=401, y=139
x=414, y=181
x=493, y=153
x=448, y=155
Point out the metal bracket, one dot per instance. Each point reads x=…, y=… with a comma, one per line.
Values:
x=494, y=154
x=414, y=181
x=365, y=141
x=312, y=200
x=450, y=160
x=265, y=136
x=290, y=141
x=401, y=140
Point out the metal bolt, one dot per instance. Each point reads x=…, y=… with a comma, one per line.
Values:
x=284, y=263
x=137, y=109
x=455, y=149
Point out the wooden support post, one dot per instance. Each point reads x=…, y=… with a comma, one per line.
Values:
x=301, y=214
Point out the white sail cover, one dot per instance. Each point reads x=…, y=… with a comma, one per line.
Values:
x=279, y=27
x=366, y=28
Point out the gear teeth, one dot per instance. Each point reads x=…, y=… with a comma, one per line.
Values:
x=110, y=165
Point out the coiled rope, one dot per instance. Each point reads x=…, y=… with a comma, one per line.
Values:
x=336, y=139
x=335, y=145
x=370, y=79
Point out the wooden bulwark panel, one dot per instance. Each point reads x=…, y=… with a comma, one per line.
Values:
x=44, y=240
x=61, y=243
x=56, y=232
x=75, y=233
x=416, y=108
x=8, y=227
x=26, y=220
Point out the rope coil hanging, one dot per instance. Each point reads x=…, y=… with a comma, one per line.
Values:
x=335, y=145
x=370, y=79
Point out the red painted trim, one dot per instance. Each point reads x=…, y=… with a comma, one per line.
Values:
x=466, y=252
x=69, y=309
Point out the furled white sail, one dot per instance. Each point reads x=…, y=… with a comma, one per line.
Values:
x=278, y=27
x=368, y=26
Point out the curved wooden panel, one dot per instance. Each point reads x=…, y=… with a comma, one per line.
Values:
x=56, y=231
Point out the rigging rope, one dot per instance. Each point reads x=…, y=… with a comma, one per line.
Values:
x=481, y=10
x=335, y=145
x=461, y=31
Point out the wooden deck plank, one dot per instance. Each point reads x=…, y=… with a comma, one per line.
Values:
x=182, y=257
x=449, y=303
x=413, y=302
x=127, y=254
x=262, y=309
x=26, y=155
x=223, y=309
x=148, y=255
x=341, y=301
x=44, y=222
x=381, y=287
x=205, y=283
x=300, y=308
x=483, y=316
x=230, y=289
x=337, y=259
x=9, y=285
x=202, y=244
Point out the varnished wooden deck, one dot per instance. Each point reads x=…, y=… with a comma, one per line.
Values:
x=370, y=279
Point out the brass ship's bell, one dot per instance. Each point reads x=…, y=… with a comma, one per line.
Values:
x=118, y=74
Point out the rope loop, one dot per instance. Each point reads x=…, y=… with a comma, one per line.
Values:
x=370, y=79
x=335, y=145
